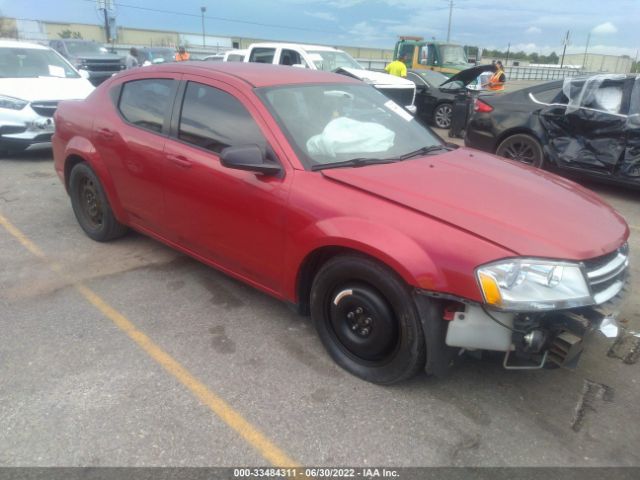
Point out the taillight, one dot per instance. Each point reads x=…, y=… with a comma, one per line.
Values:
x=482, y=107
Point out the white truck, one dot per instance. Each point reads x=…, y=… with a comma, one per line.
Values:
x=316, y=57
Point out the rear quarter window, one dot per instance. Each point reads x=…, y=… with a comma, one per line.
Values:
x=146, y=103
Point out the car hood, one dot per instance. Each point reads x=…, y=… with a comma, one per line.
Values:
x=46, y=88
x=107, y=56
x=376, y=78
x=468, y=75
x=527, y=211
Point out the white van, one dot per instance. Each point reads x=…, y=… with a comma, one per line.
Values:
x=316, y=57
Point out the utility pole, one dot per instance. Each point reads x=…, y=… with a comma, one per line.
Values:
x=203, y=10
x=564, y=49
x=506, y=60
x=450, y=13
x=105, y=6
x=584, y=60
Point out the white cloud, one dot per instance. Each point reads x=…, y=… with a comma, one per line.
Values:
x=605, y=28
x=364, y=31
x=533, y=29
x=322, y=16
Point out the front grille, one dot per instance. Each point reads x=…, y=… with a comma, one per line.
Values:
x=102, y=65
x=45, y=109
x=402, y=96
x=607, y=275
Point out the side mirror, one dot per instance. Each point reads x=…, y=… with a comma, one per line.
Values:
x=250, y=158
x=83, y=73
x=421, y=87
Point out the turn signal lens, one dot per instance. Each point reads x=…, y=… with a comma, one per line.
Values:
x=490, y=290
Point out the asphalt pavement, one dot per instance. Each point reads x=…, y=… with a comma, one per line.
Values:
x=131, y=354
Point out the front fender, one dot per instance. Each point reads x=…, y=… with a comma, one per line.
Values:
x=81, y=147
x=391, y=247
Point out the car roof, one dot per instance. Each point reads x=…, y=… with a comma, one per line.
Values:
x=18, y=44
x=255, y=74
x=301, y=46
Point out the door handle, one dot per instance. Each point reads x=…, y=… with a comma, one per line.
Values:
x=179, y=160
x=105, y=132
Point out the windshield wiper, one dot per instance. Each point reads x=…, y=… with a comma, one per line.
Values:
x=424, y=151
x=354, y=162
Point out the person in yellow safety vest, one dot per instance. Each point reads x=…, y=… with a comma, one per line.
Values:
x=498, y=79
x=397, y=67
x=182, y=55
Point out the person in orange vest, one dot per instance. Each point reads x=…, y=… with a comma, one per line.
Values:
x=498, y=79
x=182, y=55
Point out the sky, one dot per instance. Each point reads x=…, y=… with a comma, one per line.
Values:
x=528, y=25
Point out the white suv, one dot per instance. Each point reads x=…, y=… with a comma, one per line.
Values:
x=316, y=57
x=33, y=79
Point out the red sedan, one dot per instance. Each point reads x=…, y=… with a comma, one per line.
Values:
x=320, y=191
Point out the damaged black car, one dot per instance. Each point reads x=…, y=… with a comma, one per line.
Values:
x=582, y=126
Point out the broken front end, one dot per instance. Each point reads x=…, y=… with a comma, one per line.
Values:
x=540, y=312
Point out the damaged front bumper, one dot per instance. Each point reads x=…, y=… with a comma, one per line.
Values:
x=531, y=340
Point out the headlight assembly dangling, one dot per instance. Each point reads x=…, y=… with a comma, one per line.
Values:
x=529, y=284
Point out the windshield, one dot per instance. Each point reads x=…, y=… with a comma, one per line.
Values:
x=33, y=63
x=85, y=48
x=453, y=54
x=333, y=123
x=331, y=60
x=160, y=56
x=434, y=79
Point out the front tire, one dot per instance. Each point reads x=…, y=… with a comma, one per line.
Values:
x=522, y=148
x=91, y=206
x=367, y=320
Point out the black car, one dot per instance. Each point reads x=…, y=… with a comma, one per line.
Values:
x=587, y=125
x=434, y=106
x=90, y=56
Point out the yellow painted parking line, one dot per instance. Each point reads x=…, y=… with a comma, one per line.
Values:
x=634, y=227
x=217, y=405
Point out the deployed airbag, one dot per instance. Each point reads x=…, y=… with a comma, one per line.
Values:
x=347, y=136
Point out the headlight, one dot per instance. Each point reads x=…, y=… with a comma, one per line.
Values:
x=12, y=103
x=527, y=284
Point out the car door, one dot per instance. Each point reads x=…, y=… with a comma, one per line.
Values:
x=129, y=139
x=233, y=218
x=588, y=133
x=425, y=101
x=630, y=167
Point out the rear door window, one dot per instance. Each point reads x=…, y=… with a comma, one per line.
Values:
x=262, y=55
x=147, y=103
x=213, y=119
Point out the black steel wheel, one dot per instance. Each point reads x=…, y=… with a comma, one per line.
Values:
x=442, y=115
x=90, y=205
x=522, y=148
x=367, y=320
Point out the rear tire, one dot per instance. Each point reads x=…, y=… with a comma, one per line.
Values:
x=522, y=148
x=442, y=115
x=367, y=320
x=91, y=206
